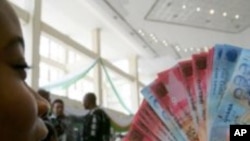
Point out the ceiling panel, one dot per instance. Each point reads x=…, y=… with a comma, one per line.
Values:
x=224, y=15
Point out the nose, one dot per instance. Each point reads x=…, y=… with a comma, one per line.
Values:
x=42, y=104
x=43, y=107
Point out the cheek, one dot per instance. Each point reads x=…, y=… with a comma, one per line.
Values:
x=16, y=102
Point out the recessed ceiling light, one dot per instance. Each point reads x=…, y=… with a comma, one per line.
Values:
x=211, y=11
x=237, y=16
x=152, y=35
x=184, y=6
x=191, y=49
x=185, y=50
x=165, y=42
x=224, y=14
x=156, y=40
x=198, y=9
x=177, y=48
x=141, y=32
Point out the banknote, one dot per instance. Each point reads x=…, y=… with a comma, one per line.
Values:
x=199, y=64
x=166, y=118
x=209, y=71
x=235, y=104
x=156, y=122
x=213, y=81
x=173, y=96
x=147, y=116
x=187, y=72
x=137, y=134
x=225, y=59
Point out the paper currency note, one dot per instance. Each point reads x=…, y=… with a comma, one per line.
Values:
x=187, y=73
x=176, y=132
x=176, y=101
x=200, y=66
x=225, y=59
x=235, y=104
x=137, y=134
x=148, y=117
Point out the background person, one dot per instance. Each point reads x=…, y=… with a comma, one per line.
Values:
x=96, y=124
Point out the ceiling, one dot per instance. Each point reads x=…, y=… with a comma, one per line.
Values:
x=225, y=15
x=178, y=28
x=159, y=31
x=77, y=21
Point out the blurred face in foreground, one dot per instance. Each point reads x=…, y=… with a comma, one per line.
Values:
x=20, y=106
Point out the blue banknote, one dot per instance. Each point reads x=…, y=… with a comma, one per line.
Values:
x=225, y=59
x=234, y=107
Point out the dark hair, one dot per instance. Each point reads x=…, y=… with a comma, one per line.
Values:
x=43, y=91
x=91, y=97
x=57, y=101
x=45, y=94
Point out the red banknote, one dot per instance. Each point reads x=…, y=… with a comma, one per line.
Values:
x=200, y=83
x=173, y=96
x=147, y=120
x=187, y=72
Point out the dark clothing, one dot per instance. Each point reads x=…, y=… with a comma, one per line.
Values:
x=96, y=126
x=59, y=124
x=51, y=136
x=64, y=128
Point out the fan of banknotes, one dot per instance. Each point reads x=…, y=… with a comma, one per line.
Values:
x=197, y=99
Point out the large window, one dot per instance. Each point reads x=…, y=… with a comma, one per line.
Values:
x=80, y=88
x=60, y=61
x=122, y=88
x=52, y=50
x=122, y=64
x=59, y=16
x=52, y=63
x=73, y=57
x=50, y=74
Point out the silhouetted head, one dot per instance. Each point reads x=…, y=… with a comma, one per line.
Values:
x=89, y=101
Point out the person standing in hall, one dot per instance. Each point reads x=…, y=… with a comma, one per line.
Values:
x=63, y=124
x=96, y=124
